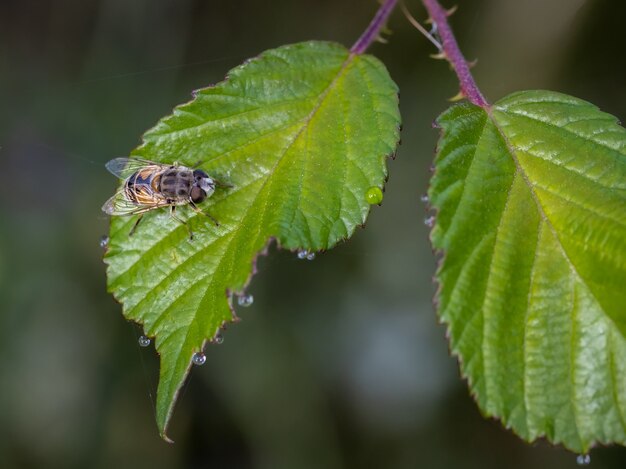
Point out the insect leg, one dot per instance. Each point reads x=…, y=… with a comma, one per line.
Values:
x=173, y=215
x=132, y=230
x=197, y=210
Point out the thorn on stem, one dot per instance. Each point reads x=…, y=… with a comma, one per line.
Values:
x=381, y=39
x=469, y=89
x=439, y=56
x=452, y=10
x=373, y=30
x=457, y=97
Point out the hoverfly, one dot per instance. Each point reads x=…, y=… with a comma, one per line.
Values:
x=149, y=185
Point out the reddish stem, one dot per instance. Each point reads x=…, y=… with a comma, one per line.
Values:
x=372, y=31
x=469, y=89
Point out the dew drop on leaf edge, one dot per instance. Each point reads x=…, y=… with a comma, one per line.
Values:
x=429, y=221
x=424, y=198
x=374, y=195
x=144, y=341
x=218, y=339
x=245, y=300
x=305, y=254
x=583, y=459
x=104, y=241
x=198, y=358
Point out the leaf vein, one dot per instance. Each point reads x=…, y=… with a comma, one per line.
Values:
x=571, y=132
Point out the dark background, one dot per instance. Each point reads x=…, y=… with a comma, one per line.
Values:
x=340, y=362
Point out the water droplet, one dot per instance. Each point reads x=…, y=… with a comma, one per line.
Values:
x=305, y=254
x=583, y=459
x=374, y=195
x=429, y=221
x=424, y=198
x=104, y=241
x=144, y=341
x=245, y=300
x=218, y=339
x=198, y=358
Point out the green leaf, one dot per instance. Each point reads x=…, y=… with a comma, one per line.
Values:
x=531, y=220
x=301, y=133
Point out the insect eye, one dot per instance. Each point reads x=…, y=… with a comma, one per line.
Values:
x=197, y=195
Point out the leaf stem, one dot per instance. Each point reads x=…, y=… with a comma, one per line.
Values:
x=469, y=89
x=372, y=31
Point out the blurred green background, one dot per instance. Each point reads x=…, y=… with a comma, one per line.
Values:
x=340, y=362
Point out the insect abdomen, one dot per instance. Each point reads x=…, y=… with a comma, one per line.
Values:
x=139, y=188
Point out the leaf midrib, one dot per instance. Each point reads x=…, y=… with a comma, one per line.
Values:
x=545, y=219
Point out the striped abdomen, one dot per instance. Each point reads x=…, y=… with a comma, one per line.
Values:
x=142, y=187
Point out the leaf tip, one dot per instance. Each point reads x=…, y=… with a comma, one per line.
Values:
x=166, y=438
x=162, y=424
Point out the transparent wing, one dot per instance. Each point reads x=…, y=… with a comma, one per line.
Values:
x=124, y=167
x=119, y=205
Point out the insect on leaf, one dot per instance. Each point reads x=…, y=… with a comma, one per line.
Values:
x=531, y=220
x=296, y=136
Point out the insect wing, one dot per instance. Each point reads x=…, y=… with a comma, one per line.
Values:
x=125, y=167
x=119, y=205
